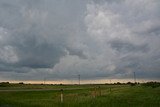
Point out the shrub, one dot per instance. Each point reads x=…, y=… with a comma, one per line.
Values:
x=4, y=84
x=21, y=83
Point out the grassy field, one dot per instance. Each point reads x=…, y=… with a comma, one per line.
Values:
x=79, y=96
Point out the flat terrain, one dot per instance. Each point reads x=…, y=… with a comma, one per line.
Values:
x=22, y=95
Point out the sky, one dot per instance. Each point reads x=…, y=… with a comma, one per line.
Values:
x=96, y=39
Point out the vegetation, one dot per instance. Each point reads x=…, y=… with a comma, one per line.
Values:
x=122, y=95
x=151, y=84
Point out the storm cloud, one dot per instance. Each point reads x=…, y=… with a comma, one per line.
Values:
x=61, y=39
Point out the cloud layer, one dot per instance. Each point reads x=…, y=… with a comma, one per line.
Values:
x=61, y=39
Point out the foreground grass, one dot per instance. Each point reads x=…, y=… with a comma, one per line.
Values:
x=83, y=96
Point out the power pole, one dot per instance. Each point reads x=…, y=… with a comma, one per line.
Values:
x=110, y=86
x=79, y=78
x=44, y=80
x=134, y=77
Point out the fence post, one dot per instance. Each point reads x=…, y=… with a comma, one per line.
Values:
x=61, y=95
x=110, y=89
x=99, y=91
x=94, y=92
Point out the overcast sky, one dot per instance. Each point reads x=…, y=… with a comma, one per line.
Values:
x=59, y=39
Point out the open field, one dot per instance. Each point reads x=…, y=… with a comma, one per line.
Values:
x=22, y=95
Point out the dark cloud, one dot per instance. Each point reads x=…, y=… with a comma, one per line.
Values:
x=35, y=33
x=125, y=47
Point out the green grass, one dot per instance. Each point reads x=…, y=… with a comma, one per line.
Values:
x=80, y=96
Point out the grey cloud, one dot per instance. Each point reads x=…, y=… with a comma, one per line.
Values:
x=39, y=42
x=61, y=39
x=76, y=52
x=125, y=47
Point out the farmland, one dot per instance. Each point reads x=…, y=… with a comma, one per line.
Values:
x=97, y=95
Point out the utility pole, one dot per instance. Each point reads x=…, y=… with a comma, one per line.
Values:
x=134, y=77
x=44, y=80
x=79, y=77
x=110, y=86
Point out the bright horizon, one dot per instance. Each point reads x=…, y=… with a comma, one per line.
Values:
x=99, y=81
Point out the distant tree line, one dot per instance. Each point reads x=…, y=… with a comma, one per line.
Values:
x=147, y=84
x=151, y=84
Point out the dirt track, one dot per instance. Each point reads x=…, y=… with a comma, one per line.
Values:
x=40, y=89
